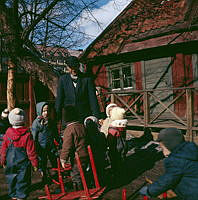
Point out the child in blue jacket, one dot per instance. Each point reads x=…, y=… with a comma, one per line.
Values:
x=181, y=167
x=44, y=132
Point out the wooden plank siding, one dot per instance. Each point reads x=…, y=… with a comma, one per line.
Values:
x=148, y=73
x=195, y=82
x=164, y=95
x=182, y=75
x=152, y=74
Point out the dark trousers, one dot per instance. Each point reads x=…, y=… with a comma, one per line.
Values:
x=44, y=156
x=19, y=181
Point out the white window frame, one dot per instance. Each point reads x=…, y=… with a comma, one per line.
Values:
x=120, y=67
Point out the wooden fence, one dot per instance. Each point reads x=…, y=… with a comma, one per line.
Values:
x=146, y=108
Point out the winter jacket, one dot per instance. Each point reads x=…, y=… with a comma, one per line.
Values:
x=116, y=138
x=97, y=141
x=181, y=173
x=83, y=96
x=74, y=140
x=21, y=137
x=44, y=132
x=105, y=126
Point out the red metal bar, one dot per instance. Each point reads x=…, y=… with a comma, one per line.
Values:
x=47, y=191
x=124, y=194
x=82, y=177
x=164, y=195
x=60, y=178
x=97, y=184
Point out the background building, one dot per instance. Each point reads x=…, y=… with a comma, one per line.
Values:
x=147, y=61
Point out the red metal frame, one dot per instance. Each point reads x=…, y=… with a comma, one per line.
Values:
x=124, y=194
x=60, y=182
x=86, y=193
x=93, y=167
x=164, y=195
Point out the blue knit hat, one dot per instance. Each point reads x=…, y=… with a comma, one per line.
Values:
x=170, y=137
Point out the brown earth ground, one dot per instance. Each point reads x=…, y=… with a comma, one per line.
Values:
x=139, y=165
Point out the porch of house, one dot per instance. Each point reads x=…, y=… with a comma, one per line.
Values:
x=161, y=108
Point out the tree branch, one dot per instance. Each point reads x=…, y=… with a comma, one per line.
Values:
x=2, y=2
x=92, y=15
x=28, y=30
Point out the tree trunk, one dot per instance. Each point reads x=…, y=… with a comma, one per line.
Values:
x=10, y=86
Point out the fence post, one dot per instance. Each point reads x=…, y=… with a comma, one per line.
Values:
x=146, y=109
x=112, y=98
x=189, y=113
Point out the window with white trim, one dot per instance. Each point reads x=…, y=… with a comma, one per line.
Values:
x=121, y=76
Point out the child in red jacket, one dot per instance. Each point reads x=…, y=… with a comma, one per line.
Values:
x=17, y=152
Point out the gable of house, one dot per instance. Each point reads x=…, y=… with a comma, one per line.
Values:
x=146, y=24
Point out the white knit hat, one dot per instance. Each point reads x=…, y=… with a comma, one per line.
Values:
x=5, y=113
x=93, y=118
x=16, y=117
x=118, y=113
x=108, y=107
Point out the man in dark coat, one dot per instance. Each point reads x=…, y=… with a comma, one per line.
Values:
x=76, y=89
x=181, y=167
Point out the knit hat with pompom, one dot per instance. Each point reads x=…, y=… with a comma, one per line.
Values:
x=118, y=113
x=16, y=117
x=111, y=105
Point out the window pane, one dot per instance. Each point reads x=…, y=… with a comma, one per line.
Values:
x=127, y=76
x=116, y=84
x=127, y=82
x=115, y=74
x=126, y=71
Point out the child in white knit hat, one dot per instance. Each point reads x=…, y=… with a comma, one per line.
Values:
x=105, y=125
x=116, y=141
x=17, y=152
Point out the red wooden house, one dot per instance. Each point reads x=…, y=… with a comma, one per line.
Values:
x=147, y=60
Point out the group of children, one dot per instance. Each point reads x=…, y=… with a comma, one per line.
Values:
x=22, y=148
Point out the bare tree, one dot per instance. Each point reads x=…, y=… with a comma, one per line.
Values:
x=26, y=23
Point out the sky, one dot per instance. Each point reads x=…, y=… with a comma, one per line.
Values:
x=106, y=12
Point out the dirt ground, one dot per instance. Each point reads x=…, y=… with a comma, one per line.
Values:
x=139, y=164
x=112, y=194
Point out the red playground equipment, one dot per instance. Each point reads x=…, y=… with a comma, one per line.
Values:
x=86, y=193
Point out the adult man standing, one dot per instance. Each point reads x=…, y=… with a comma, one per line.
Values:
x=76, y=89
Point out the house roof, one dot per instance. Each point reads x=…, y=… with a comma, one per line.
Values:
x=141, y=22
x=58, y=51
